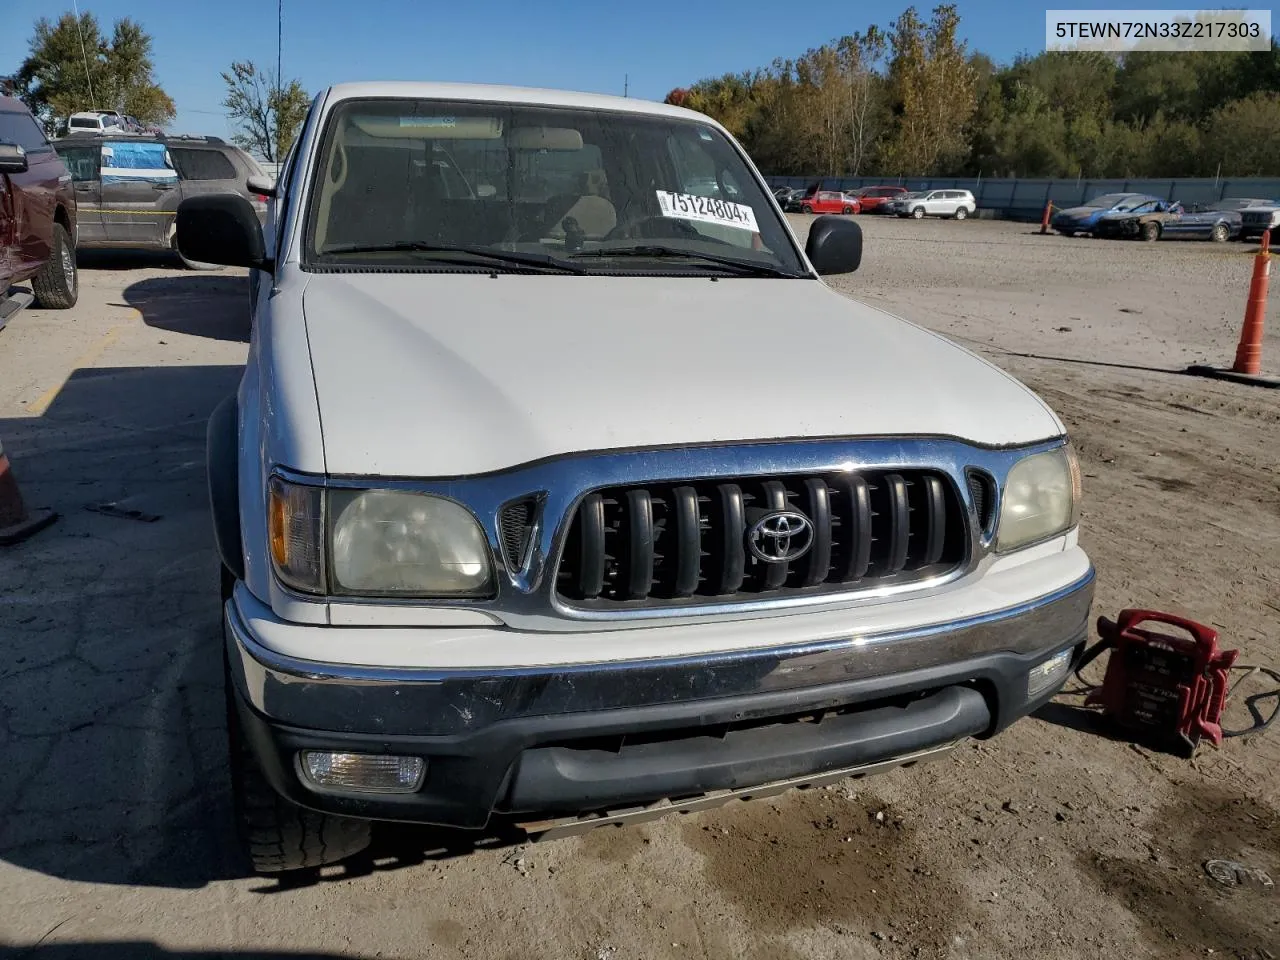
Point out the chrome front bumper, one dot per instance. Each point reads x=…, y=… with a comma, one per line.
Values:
x=382, y=701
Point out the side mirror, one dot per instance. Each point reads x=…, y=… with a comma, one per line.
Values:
x=835, y=245
x=13, y=159
x=222, y=228
x=262, y=186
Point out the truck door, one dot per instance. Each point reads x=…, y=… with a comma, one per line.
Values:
x=82, y=163
x=8, y=240
x=136, y=182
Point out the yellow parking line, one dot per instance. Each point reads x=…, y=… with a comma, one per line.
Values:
x=84, y=360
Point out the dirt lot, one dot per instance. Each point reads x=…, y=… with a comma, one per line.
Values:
x=1051, y=841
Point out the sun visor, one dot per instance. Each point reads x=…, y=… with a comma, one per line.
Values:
x=546, y=138
x=429, y=127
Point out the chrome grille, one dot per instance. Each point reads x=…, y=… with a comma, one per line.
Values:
x=687, y=542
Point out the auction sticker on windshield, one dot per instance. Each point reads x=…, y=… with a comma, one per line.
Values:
x=685, y=206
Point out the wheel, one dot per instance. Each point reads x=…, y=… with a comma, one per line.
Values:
x=962, y=213
x=189, y=264
x=805, y=208
x=847, y=210
x=918, y=213
x=1150, y=230
x=58, y=285
x=1220, y=233
x=1067, y=233
x=279, y=835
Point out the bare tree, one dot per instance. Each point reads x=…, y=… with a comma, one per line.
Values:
x=269, y=115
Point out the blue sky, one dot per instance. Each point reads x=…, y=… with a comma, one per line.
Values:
x=574, y=44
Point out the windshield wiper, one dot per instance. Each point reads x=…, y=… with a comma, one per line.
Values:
x=535, y=260
x=658, y=252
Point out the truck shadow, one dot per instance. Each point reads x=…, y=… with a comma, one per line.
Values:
x=214, y=306
x=110, y=671
x=112, y=723
x=143, y=950
x=109, y=259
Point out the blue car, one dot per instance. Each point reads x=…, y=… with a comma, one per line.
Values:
x=1082, y=219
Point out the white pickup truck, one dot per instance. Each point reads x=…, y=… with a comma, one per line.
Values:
x=560, y=488
x=1255, y=220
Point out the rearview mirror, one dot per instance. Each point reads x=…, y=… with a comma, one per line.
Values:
x=834, y=246
x=13, y=159
x=221, y=228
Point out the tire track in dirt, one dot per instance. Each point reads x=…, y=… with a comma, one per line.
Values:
x=819, y=860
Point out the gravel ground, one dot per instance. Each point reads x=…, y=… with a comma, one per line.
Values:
x=1053, y=841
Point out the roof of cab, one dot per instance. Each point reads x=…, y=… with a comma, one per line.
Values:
x=493, y=93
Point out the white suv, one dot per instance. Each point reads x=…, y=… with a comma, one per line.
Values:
x=958, y=204
x=554, y=490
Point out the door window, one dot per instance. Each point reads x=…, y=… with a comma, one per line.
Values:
x=81, y=162
x=19, y=128
x=130, y=162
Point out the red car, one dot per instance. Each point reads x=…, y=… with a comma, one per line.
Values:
x=830, y=201
x=874, y=198
x=37, y=215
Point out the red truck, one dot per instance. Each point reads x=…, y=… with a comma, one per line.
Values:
x=37, y=216
x=874, y=198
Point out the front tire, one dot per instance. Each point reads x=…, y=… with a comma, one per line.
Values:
x=805, y=208
x=918, y=213
x=275, y=833
x=1220, y=233
x=847, y=210
x=57, y=285
x=1150, y=231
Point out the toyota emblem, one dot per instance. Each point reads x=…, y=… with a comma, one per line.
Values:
x=780, y=536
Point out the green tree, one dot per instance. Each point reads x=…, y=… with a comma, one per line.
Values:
x=933, y=108
x=934, y=90
x=1244, y=136
x=72, y=66
x=269, y=115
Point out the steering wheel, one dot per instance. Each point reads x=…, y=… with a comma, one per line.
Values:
x=654, y=228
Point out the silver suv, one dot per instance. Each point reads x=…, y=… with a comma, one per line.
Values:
x=128, y=186
x=958, y=204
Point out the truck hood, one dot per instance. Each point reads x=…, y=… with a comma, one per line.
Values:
x=438, y=375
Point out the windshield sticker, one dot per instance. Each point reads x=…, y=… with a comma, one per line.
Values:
x=704, y=134
x=428, y=122
x=684, y=206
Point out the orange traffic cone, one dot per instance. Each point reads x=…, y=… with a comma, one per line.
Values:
x=1248, y=363
x=16, y=521
x=1249, y=352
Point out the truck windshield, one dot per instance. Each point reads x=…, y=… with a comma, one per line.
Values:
x=432, y=184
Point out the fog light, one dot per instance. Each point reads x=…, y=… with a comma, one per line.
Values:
x=362, y=772
x=1047, y=674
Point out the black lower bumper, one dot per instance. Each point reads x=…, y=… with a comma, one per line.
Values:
x=586, y=738
x=592, y=761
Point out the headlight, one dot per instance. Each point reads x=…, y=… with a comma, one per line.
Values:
x=410, y=544
x=1041, y=499
x=378, y=543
